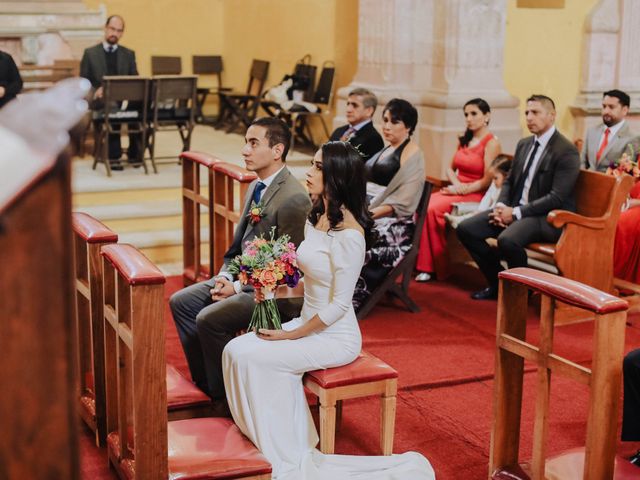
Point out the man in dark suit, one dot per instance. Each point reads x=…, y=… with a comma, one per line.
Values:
x=360, y=132
x=10, y=79
x=545, y=169
x=110, y=58
x=209, y=314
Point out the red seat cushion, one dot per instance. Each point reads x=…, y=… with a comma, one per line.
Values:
x=546, y=248
x=365, y=368
x=181, y=392
x=203, y=448
x=570, y=465
x=212, y=448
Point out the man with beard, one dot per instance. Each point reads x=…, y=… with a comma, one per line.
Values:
x=110, y=58
x=605, y=143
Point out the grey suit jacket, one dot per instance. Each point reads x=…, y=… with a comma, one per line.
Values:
x=286, y=205
x=93, y=65
x=612, y=152
x=553, y=181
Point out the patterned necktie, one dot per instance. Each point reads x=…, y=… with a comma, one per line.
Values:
x=347, y=135
x=257, y=192
x=605, y=142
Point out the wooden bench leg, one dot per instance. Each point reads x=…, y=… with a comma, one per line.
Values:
x=327, y=421
x=388, y=417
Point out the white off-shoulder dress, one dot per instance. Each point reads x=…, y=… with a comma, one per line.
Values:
x=263, y=378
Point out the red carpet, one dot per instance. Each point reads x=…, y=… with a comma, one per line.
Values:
x=445, y=357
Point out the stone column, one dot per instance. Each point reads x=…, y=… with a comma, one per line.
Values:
x=610, y=43
x=437, y=55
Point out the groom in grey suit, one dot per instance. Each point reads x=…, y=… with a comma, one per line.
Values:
x=210, y=313
x=605, y=143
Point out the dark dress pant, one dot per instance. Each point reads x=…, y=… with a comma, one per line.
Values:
x=631, y=408
x=205, y=327
x=512, y=241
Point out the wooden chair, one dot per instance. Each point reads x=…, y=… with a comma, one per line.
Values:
x=365, y=376
x=603, y=379
x=39, y=396
x=173, y=105
x=89, y=236
x=243, y=107
x=163, y=65
x=226, y=188
x=117, y=89
x=209, y=65
x=141, y=444
x=404, y=270
x=39, y=77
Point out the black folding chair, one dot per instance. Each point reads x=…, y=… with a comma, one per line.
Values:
x=404, y=270
x=299, y=121
x=125, y=101
x=303, y=69
x=243, y=107
x=172, y=107
x=162, y=65
x=207, y=65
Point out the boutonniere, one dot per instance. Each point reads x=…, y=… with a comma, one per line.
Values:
x=256, y=212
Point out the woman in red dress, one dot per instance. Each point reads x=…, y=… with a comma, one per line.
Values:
x=626, y=256
x=469, y=176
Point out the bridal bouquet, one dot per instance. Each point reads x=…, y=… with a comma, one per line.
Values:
x=627, y=163
x=265, y=264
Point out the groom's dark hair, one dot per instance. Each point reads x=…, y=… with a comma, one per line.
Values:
x=277, y=132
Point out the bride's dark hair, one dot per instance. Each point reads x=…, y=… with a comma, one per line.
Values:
x=344, y=185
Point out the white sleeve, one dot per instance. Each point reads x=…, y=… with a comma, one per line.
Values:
x=488, y=199
x=347, y=257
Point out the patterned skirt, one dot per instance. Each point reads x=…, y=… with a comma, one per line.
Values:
x=393, y=242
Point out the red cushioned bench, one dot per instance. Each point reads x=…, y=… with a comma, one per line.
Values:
x=136, y=386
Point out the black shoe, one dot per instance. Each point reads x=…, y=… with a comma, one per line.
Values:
x=116, y=166
x=489, y=293
x=135, y=164
x=635, y=459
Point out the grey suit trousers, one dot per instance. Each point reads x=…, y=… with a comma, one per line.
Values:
x=205, y=327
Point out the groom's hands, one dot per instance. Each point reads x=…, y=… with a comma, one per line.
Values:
x=223, y=289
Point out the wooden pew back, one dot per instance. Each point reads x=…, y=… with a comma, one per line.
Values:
x=135, y=368
x=89, y=236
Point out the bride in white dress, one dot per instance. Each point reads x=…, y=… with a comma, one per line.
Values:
x=263, y=371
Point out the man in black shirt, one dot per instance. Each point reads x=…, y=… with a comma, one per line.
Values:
x=110, y=58
x=10, y=79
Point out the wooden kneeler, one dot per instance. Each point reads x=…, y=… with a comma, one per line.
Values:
x=141, y=443
x=89, y=235
x=365, y=376
x=597, y=461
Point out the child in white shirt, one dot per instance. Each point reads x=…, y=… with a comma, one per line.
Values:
x=500, y=167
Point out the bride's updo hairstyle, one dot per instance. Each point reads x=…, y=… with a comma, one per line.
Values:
x=344, y=185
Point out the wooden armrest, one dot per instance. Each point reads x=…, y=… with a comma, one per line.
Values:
x=438, y=182
x=559, y=218
x=288, y=292
x=626, y=285
x=565, y=290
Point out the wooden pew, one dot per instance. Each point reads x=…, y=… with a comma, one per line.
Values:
x=88, y=236
x=223, y=202
x=38, y=403
x=597, y=461
x=39, y=77
x=584, y=251
x=141, y=444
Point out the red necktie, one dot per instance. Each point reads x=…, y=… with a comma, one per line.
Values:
x=605, y=141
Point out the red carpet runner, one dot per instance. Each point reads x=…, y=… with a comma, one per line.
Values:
x=445, y=358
